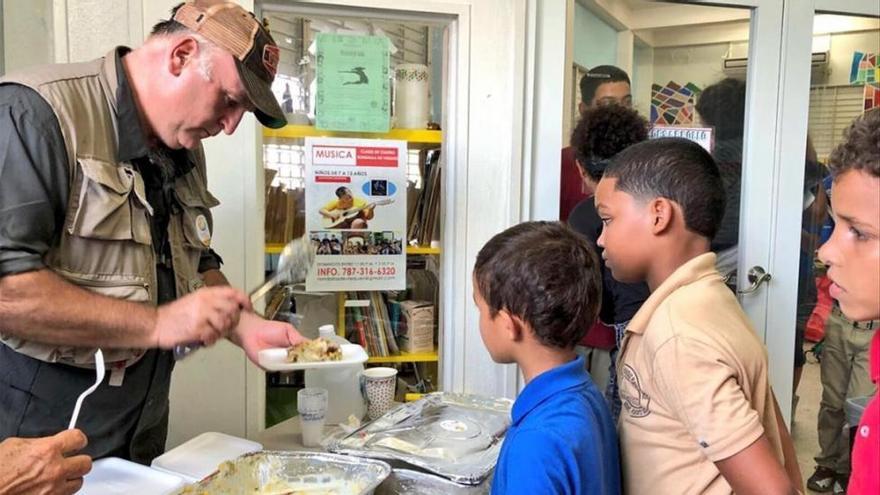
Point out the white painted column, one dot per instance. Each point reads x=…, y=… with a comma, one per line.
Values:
x=625, y=47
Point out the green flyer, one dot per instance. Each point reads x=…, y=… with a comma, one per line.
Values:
x=353, y=83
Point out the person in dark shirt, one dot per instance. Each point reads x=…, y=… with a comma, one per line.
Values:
x=179, y=87
x=601, y=133
x=602, y=85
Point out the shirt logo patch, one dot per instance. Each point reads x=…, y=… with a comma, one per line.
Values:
x=636, y=402
x=203, y=230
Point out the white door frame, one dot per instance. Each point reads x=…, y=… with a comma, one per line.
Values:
x=793, y=111
x=762, y=194
x=483, y=84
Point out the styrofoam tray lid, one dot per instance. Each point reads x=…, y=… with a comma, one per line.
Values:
x=199, y=457
x=275, y=359
x=112, y=476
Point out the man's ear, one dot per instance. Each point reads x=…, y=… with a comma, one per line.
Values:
x=511, y=326
x=661, y=213
x=183, y=51
x=582, y=107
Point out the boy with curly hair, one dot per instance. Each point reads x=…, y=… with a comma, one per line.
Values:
x=601, y=133
x=853, y=258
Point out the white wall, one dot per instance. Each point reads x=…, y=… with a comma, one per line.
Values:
x=701, y=64
x=842, y=47
x=27, y=34
x=642, y=78
x=595, y=42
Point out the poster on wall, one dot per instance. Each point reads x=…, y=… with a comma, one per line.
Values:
x=356, y=213
x=704, y=136
x=353, y=83
x=865, y=68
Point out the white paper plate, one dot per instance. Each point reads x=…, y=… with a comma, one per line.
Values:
x=200, y=456
x=111, y=476
x=275, y=359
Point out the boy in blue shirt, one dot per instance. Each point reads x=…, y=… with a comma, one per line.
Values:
x=537, y=286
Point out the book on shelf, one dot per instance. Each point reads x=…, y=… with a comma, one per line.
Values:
x=424, y=216
x=371, y=325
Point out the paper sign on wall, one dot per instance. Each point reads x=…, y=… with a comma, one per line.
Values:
x=704, y=136
x=353, y=83
x=356, y=213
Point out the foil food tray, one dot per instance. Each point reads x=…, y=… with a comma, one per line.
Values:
x=279, y=473
x=410, y=482
x=457, y=436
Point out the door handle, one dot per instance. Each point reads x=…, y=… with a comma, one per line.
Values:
x=757, y=276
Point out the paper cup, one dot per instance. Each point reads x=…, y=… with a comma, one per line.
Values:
x=378, y=386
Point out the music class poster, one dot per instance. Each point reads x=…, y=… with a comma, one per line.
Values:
x=356, y=213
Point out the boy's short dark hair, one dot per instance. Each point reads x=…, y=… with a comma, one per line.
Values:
x=604, y=131
x=598, y=76
x=861, y=147
x=678, y=170
x=545, y=274
x=342, y=191
x=723, y=106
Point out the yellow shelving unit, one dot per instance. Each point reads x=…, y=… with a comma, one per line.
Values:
x=405, y=357
x=412, y=136
x=276, y=249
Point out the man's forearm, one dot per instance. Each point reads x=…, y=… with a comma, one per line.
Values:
x=41, y=306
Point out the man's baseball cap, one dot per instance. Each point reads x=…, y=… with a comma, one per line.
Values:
x=229, y=26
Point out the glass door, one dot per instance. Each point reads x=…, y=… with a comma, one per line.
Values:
x=714, y=65
x=830, y=61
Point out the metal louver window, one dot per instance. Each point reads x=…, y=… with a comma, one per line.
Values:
x=832, y=110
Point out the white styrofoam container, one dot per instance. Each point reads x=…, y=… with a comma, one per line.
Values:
x=200, y=456
x=115, y=476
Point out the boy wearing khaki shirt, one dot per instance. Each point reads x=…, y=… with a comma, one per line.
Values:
x=698, y=414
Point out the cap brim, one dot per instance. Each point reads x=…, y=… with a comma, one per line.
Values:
x=266, y=107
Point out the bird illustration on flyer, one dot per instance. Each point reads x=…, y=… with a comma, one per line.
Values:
x=356, y=213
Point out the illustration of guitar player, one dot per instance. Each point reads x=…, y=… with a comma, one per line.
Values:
x=348, y=212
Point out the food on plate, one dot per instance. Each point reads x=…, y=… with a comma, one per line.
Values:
x=313, y=351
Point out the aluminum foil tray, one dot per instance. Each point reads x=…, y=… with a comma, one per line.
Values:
x=409, y=482
x=283, y=473
x=457, y=436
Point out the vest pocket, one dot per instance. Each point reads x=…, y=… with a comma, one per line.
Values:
x=198, y=224
x=106, y=207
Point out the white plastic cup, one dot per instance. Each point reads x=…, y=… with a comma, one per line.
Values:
x=378, y=386
x=311, y=403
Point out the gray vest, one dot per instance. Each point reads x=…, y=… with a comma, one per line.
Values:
x=106, y=245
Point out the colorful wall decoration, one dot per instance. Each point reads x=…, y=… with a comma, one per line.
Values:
x=673, y=104
x=872, y=95
x=865, y=68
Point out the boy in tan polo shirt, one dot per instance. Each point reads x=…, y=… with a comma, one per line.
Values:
x=698, y=414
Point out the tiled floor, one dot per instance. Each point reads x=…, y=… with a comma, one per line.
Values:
x=804, y=426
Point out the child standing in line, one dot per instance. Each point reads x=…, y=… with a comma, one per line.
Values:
x=537, y=287
x=698, y=413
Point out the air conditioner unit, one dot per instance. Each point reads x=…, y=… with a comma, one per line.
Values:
x=737, y=65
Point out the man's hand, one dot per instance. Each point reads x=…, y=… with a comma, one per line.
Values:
x=254, y=334
x=36, y=466
x=204, y=316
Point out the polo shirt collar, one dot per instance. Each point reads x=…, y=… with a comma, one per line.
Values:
x=548, y=384
x=697, y=268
